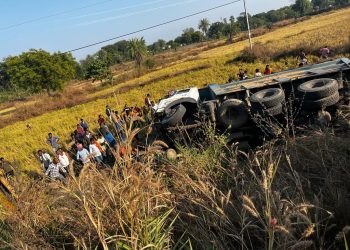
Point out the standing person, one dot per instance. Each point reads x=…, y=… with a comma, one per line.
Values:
x=53, y=141
x=6, y=167
x=245, y=76
x=102, y=141
x=98, y=145
x=267, y=70
x=82, y=154
x=108, y=112
x=96, y=153
x=324, y=52
x=45, y=159
x=83, y=124
x=53, y=171
x=148, y=100
x=101, y=120
x=63, y=159
x=258, y=73
x=104, y=129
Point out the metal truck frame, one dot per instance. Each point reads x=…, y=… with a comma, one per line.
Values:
x=311, y=88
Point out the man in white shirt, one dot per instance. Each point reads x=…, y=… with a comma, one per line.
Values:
x=45, y=159
x=53, y=171
x=63, y=159
x=82, y=154
x=96, y=153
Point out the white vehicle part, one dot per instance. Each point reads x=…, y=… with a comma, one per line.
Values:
x=186, y=95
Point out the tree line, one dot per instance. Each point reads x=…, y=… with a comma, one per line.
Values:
x=37, y=70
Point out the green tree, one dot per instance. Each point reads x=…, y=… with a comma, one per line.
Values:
x=232, y=28
x=138, y=51
x=97, y=70
x=303, y=7
x=216, y=30
x=204, y=25
x=38, y=70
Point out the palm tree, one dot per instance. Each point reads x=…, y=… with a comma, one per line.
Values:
x=204, y=25
x=138, y=50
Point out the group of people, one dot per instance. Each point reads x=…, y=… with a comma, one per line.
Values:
x=87, y=147
x=243, y=74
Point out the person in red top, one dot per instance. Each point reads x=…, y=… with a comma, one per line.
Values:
x=101, y=120
x=267, y=70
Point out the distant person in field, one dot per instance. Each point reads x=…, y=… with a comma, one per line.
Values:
x=53, y=141
x=53, y=171
x=324, y=52
x=6, y=167
x=148, y=100
x=267, y=70
x=303, y=59
x=230, y=79
x=101, y=120
x=258, y=73
x=45, y=159
x=83, y=124
x=108, y=112
x=240, y=74
x=245, y=76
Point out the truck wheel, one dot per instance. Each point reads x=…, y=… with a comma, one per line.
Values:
x=321, y=103
x=174, y=116
x=273, y=110
x=210, y=110
x=267, y=98
x=233, y=113
x=318, y=88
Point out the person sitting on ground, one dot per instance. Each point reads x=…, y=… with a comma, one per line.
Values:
x=303, y=59
x=148, y=100
x=240, y=74
x=267, y=70
x=230, y=79
x=82, y=154
x=83, y=124
x=324, y=52
x=53, y=171
x=258, y=73
x=101, y=120
x=95, y=153
x=45, y=159
x=53, y=141
x=6, y=167
x=63, y=159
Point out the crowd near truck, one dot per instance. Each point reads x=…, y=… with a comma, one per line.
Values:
x=232, y=106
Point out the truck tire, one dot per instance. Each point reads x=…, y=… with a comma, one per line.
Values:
x=267, y=98
x=273, y=111
x=210, y=110
x=321, y=103
x=233, y=113
x=318, y=88
x=174, y=115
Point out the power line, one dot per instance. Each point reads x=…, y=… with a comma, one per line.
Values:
x=52, y=15
x=153, y=26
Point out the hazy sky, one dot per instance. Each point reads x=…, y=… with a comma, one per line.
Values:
x=61, y=25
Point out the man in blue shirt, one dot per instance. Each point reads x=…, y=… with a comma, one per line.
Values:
x=83, y=124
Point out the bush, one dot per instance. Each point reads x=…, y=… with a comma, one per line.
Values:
x=149, y=63
x=259, y=52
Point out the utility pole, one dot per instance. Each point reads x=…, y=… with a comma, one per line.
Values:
x=249, y=34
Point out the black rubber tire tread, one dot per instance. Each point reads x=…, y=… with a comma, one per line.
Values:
x=177, y=113
x=259, y=100
x=210, y=109
x=311, y=91
x=240, y=117
x=321, y=103
x=278, y=109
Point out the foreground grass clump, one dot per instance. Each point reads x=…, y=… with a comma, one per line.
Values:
x=281, y=196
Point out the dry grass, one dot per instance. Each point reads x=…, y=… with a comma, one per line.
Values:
x=281, y=196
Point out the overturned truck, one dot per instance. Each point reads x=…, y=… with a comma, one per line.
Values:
x=232, y=106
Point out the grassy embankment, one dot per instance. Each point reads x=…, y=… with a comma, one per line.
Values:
x=19, y=144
